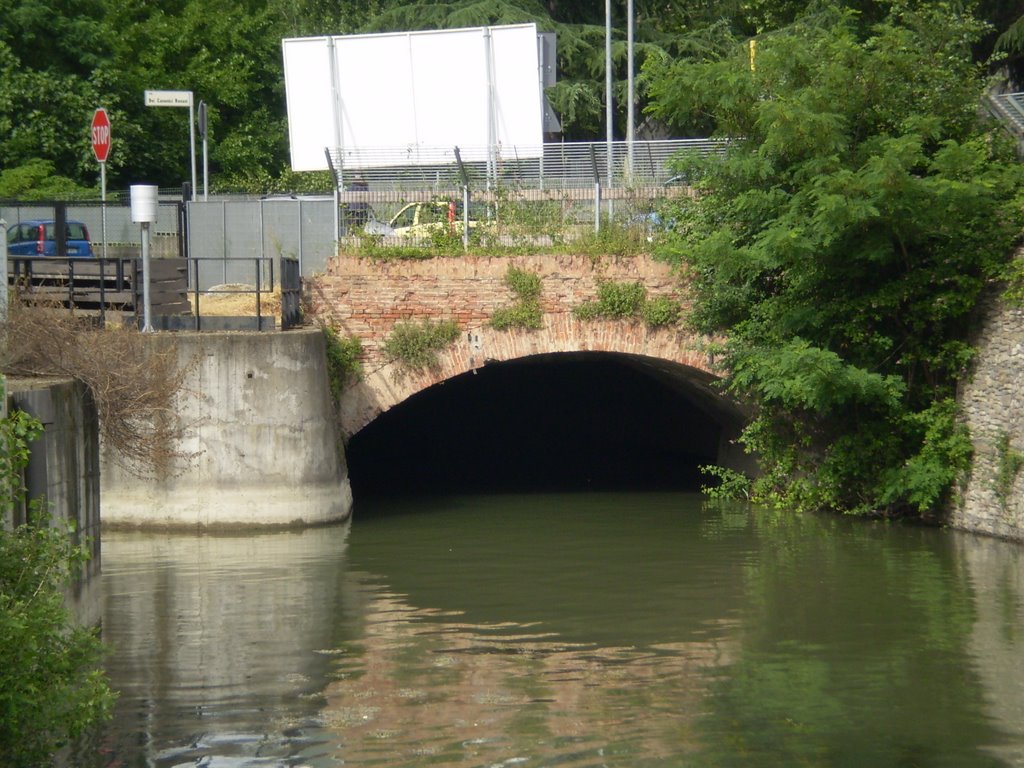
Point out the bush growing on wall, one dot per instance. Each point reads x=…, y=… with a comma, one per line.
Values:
x=52, y=688
x=415, y=346
x=629, y=300
x=525, y=312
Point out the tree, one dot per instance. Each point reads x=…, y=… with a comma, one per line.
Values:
x=841, y=243
x=38, y=180
x=51, y=687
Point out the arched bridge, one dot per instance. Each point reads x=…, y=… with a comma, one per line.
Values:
x=568, y=361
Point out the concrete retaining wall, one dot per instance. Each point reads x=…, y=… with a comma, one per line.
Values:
x=258, y=424
x=64, y=469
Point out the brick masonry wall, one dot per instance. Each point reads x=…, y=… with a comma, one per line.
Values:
x=366, y=297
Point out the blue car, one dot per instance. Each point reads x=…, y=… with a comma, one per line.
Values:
x=39, y=238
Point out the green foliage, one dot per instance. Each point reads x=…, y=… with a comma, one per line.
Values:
x=60, y=60
x=343, y=366
x=53, y=689
x=1013, y=277
x=660, y=311
x=730, y=486
x=1010, y=463
x=37, y=180
x=526, y=311
x=841, y=245
x=622, y=301
x=525, y=285
x=612, y=240
x=415, y=346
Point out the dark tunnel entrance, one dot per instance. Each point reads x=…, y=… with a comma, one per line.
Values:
x=554, y=422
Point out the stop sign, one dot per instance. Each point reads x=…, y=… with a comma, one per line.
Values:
x=100, y=135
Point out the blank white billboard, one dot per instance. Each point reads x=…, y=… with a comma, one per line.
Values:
x=414, y=91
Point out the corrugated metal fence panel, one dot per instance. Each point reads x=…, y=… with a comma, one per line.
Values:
x=119, y=229
x=226, y=235
x=299, y=228
x=208, y=242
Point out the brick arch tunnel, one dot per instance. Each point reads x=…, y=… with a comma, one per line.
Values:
x=561, y=421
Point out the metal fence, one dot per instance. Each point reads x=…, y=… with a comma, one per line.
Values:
x=110, y=225
x=561, y=192
x=554, y=165
x=225, y=234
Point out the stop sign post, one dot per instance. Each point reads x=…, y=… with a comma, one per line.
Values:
x=99, y=132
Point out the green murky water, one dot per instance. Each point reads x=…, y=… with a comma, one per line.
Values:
x=569, y=630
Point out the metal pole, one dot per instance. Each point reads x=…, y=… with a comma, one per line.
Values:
x=608, y=114
x=465, y=218
x=103, y=207
x=630, y=116
x=147, y=326
x=206, y=155
x=492, y=138
x=192, y=143
x=608, y=82
x=3, y=270
x=3, y=310
x=224, y=250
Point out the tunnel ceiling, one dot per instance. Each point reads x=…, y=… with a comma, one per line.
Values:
x=563, y=421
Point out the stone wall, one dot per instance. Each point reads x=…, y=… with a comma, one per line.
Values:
x=993, y=403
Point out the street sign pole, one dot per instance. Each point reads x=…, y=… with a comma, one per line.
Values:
x=206, y=155
x=103, y=207
x=192, y=142
x=101, y=140
x=3, y=310
x=178, y=99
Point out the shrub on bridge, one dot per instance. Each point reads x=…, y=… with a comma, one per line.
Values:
x=416, y=346
x=525, y=312
x=625, y=301
x=343, y=366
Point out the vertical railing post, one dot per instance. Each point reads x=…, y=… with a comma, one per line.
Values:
x=259, y=291
x=465, y=200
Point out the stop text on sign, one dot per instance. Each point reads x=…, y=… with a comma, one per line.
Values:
x=101, y=134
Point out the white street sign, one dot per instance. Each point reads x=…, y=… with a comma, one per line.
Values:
x=168, y=98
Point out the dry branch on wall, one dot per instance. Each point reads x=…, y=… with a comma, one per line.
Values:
x=133, y=383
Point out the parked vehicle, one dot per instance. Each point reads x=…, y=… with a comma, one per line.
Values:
x=424, y=219
x=39, y=238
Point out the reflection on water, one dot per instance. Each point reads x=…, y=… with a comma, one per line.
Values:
x=583, y=630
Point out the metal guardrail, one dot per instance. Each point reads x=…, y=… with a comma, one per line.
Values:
x=98, y=287
x=1008, y=108
x=263, y=286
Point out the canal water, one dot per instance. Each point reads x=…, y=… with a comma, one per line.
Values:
x=603, y=629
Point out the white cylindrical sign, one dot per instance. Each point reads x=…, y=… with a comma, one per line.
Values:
x=144, y=203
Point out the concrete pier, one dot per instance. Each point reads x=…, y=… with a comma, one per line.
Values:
x=259, y=443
